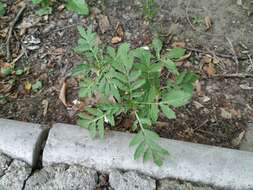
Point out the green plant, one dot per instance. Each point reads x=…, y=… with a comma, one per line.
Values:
x=133, y=79
x=150, y=9
x=45, y=7
x=78, y=6
x=2, y=8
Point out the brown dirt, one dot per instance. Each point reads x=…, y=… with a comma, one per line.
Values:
x=219, y=111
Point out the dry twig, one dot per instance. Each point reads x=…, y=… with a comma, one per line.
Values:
x=11, y=27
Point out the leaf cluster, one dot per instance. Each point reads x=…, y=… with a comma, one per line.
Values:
x=133, y=78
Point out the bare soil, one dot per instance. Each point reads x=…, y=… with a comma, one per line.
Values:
x=222, y=105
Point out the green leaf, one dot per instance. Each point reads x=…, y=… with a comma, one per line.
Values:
x=44, y=11
x=137, y=139
x=139, y=150
x=147, y=155
x=157, y=45
x=176, y=53
x=101, y=129
x=37, y=86
x=157, y=159
x=169, y=113
x=5, y=71
x=94, y=111
x=19, y=71
x=134, y=75
x=2, y=8
x=80, y=70
x=177, y=98
x=170, y=65
x=138, y=84
x=151, y=135
x=92, y=130
x=83, y=123
x=78, y=6
x=154, y=110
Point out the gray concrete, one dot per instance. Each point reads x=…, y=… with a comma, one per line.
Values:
x=168, y=184
x=63, y=177
x=247, y=143
x=21, y=140
x=131, y=180
x=193, y=162
x=15, y=176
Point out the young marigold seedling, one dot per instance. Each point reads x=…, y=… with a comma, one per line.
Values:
x=133, y=78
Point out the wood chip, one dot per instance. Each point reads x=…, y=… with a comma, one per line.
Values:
x=62, y=95
x=208, y=22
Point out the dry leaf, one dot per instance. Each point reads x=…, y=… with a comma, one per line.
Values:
x=45, y=106
x=120, y=30
x=178, y=45
x=209, y=69
x=62, y=95
x=28, y=86
x=198, y=88
x=104, y=24
x=208, y=22
x=116, y=40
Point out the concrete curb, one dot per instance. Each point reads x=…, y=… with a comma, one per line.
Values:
x=21, y=140
x=211, y=165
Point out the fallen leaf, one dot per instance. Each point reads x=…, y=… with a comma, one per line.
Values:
x=103, y=23
x=62, y=95
x=178, y=45
x=198, y=88
x=208, y=22
x=28, y=86
x=197, y=104
x=120, y=30
x=45, y=107
x=209, y=69
x=116, y=40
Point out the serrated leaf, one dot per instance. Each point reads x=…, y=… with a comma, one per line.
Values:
x=79, y=70
x=138, y=84
x=139, y=150
x=157, y=45
x=83, y=123
x=177, y=98
x=94, y=111
x=157, y=159
x=170, y=65
x=153, y=113
x=169, y=113
x=101, y=129
x=92, y=130
x=137, y=139
x=134, y=75
x=78, y=6
x=147, y=155
x=151, y=135
x=176, y=53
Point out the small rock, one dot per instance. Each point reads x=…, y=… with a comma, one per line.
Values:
x=15, y=176
x=62, y=177
x=131, y=180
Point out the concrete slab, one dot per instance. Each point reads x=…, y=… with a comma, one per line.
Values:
x=21, y=140
x=228, y=168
